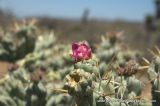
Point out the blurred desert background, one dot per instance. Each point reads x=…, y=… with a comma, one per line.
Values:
x=87, y=20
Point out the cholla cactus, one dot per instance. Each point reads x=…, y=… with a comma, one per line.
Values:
x=46, y=56
x=90, y=66
x=36, y=79
x=15, y=45
x=36, y=93
x=84, y=83
x=154, y=76
x=130, y=68
x=79, y=81
x=111, y=50
x=79, y=85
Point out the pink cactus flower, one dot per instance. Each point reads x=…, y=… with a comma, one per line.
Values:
x=81, y=51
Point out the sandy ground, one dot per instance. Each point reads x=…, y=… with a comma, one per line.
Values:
x=146, y=93
x=3, y=69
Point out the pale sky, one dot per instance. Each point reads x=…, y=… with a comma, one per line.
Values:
x=133, y=10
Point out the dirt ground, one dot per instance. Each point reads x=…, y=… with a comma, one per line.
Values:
x=146, y=93
x=3, y=69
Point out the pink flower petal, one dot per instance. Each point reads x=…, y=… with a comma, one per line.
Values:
x=80, y=51
x=75, y=46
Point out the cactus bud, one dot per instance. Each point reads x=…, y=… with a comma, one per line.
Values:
x=81, y=51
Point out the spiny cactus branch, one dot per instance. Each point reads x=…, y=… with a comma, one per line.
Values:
x=143, y=67
x=60, y=90
x=145, y=60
